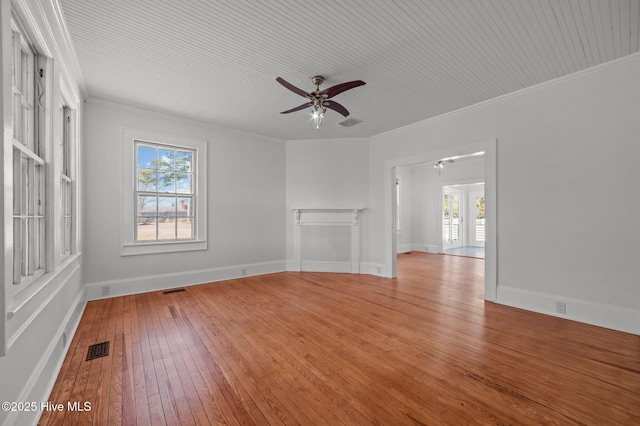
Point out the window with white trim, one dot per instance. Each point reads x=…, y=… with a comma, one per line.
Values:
x=66, y=184
x=28, y=90
x=165, y=208
x=164, y=196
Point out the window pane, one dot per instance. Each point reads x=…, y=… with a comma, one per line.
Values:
x=184, y=183
x=17, y=182
x=147, y=229
x=147, y=206
x=479, y=207
x=24, y=247
x=40, y=245
x=25, y=68
x=166, y=206
x=39, y=183
x=166, y=159
x=26, y=193
x=185, y=207
x=17, y=118
x=184, y=161
x=166, y=182
x=146, y=157
x=28, y=131
x=17, y=244
x=166, y=218
x=147, y=180
x=167, y=228
x=185, y=228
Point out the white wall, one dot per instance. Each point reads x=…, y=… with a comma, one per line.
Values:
x=35, y=321
x=567, y=153
x=246, y=205
x=427, y=184
x=408, y=219
x=326, y=174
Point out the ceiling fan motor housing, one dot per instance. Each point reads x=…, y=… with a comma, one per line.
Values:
x=317, y=80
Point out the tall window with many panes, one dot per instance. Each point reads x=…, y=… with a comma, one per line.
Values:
x=28, y=159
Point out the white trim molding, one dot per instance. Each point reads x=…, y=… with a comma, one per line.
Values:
x=129, y=246
x=147, y=283
x=594, y=313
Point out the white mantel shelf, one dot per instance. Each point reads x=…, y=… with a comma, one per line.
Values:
x=327, y=208
x=344, y=216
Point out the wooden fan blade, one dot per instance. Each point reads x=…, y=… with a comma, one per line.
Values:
x=339, y=88
x=291, y=87
x=336, y=107
x=298, y=108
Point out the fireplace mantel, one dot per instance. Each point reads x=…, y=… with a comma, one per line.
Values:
x=333, y=218
x=314, y=212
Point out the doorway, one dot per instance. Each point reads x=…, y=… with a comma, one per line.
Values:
x=488, y=150
x=462, y=220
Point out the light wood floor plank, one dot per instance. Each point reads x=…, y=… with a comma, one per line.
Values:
x=311, y=348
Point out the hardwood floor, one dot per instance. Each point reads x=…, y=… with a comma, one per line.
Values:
x=308, y=348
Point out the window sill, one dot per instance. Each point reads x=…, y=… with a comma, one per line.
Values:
x=165, y=247
x=25, y=294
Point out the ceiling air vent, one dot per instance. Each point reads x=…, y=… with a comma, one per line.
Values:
x=350, y=122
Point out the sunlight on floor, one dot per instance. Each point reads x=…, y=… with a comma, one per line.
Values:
x=471, y=251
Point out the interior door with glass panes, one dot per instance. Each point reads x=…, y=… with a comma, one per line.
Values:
x=452, y=219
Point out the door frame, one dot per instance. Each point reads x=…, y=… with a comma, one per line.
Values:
x=489, y=147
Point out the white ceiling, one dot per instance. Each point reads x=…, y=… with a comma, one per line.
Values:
x=216, y=61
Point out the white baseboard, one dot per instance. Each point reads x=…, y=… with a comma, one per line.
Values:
x=404, y=248
x=429, y=248
x=144, y=284
x=420, y=247
x=599, y=314
x=41, y=381
x=318, y=266
x=377, y=269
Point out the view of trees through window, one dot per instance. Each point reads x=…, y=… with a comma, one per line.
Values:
x=480, y=208
x=164, y=192
x=480, y=222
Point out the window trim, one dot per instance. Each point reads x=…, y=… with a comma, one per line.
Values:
x=131, y=247
x=35, y=147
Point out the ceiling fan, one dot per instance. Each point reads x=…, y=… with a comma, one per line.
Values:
x=320, y=100
x=440, y=164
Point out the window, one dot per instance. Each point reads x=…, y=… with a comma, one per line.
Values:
x=164, y=194
x=66, y=184
x=28, y=85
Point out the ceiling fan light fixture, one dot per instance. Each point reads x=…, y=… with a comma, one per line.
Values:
x=440, y=164
x=318, y=114
x=319, y=100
